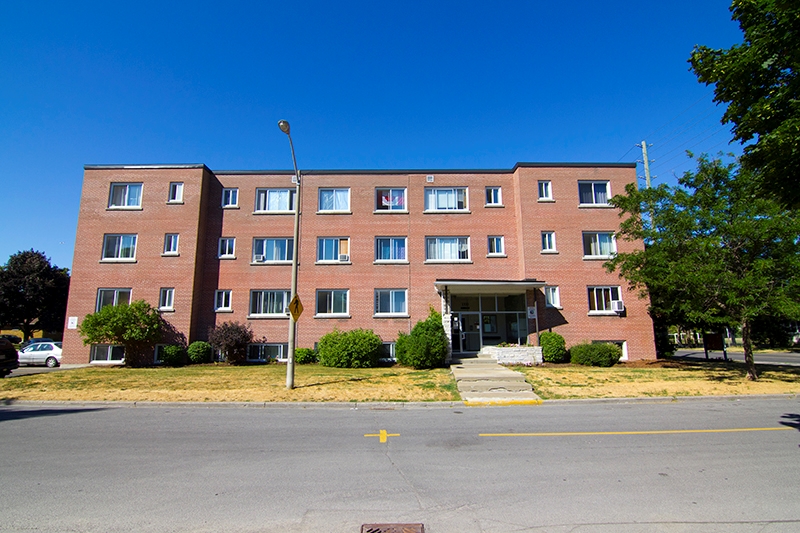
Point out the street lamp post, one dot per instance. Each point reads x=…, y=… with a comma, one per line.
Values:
x=284, y=126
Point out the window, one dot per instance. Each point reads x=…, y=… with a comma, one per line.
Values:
x=222, y=300
x=112, y=297
x=175, y=192
x=230, y=197
x=119, y=247
x=269, y=302
x=333, y=249
x=278, y=249
x=265, y=352
x=496, y=245
x=390, y=249
x=599, y=244
x=552, y=297
x=600, y=299
x=227, y=247
x=332, y=302
x=390, y=199
x=334, y=199
x=390, y=302
x=107, y=353
x=445, y=199
x=171, y=244
x=276, y=200
x=125, y=195
x=548, y=242
x=447, y=248
x=494, y=196
x=158, y=353
x=593, y=192
x=388, y=352
x=545, y=190
x=166, y=301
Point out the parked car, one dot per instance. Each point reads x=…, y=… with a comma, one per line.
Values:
x=34, y=341
x=8, y=357
x=13, y=338
x=41, y=353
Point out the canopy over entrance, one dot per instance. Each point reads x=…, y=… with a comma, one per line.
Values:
x=480, y=286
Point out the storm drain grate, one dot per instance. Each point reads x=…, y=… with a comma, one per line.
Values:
x=392, y=528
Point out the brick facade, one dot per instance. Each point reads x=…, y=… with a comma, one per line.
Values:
x=478, y=281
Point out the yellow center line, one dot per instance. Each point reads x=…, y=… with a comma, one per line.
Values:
x=382, y=435
x=653, y=432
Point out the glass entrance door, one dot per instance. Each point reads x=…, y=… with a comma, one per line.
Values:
x=470, y=332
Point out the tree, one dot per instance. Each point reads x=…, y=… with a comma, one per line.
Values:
x=426, y=346
x=231, y=339
x=758, y=79
x=33, y=293
x=137, y=327
x=716, y=254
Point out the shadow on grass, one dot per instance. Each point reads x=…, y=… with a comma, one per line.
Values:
x=334, y=381
x=724, y=371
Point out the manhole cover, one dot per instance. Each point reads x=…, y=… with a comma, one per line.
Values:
x=392, y=528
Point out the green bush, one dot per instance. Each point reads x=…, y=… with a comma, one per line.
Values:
x=599, y=354
x=554, y=349
x=200, y=352
x=173, y=355
x=305, y=356
x=426, y=347
x=359, y=348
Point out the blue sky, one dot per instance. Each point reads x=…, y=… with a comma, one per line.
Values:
x=365, y=85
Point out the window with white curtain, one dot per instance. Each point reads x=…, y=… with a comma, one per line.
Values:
x=599, y=244
x=445, y=199
x=272, y=249
x=272, y=200
x=447, y=248
x=593, y=192
x=334, y=200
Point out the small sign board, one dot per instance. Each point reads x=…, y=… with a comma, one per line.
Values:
x=72, y=322
x=532, y=312
x=295, y=308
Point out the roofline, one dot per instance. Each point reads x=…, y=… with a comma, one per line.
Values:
x=156, y=167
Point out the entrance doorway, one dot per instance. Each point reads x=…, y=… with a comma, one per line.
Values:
x=487, y=320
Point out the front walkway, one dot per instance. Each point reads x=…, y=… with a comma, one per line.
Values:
x=482, y=381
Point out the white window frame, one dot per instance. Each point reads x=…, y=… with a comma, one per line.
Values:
x=262, y=299
x=230, y=197
x=223, y=299
x=545, y=190
x=602, y=305
x=496, y=246
x=110, y=350
x=171, y=241
x=229, y=251
x=446, y=199
x=266, y=247
x=435, y=243
x=552, y=296
x=494, y=196
x=129, y=199
x=336, y=203
x=390, y=199
x=381, y=296
x=549, y=242
x=158, y=353
x=331, y=301
x=595, y=193
x=175, y=195
x=282, y=355
x=275, y=200
x=166, y=299
x=116, y=296
x=392, y=248
x=119, y=247
x=340, y=246
x=592, y=243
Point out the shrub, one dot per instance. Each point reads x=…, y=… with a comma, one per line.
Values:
x=426, y=347
x=173, y=355
x=231, y=339
x=554, y=349
x=305, y=356
x=600, y=354
x=359, y=348
x=200, y=352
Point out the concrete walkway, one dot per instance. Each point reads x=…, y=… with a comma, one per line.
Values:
x=482, y=381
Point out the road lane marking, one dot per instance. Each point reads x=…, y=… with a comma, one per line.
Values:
x=652, y=432
x=382, y=436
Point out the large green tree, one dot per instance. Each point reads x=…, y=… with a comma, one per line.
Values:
x=33, y=293
x=716, y=253
x=758, y=79
x=137, y=327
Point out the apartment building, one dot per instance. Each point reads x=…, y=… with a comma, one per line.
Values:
x=502, y=254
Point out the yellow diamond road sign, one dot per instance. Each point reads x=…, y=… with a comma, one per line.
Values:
x=295, y=308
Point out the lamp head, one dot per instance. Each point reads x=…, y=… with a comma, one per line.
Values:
x=284, y=126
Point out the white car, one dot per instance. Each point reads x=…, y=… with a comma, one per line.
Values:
x=41, y=353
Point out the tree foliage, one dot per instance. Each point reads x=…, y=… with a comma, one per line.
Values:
x=758, y=79
x=33, y=293
x=231, y=339
x=716, y=253
x=426, y=346
x=137, y=327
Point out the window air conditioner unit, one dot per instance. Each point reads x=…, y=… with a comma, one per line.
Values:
x=343, y=258
x=259, y=258
x=617, y=306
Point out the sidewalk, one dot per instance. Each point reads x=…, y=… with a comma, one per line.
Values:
x=482, y=381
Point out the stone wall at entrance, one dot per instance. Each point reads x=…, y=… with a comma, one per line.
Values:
x=515, y=355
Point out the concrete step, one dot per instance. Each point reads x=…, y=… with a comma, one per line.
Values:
x=500, y=398
x=490, y=386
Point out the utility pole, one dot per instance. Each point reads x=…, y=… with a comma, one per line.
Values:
x=646, y=165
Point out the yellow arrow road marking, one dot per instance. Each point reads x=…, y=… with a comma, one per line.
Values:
x=382, y=435
x=654, y=432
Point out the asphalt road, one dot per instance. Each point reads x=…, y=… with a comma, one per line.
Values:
x=763, y=358
x=593, y=467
